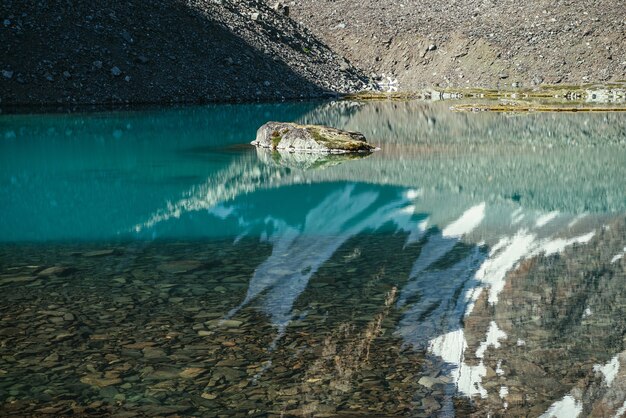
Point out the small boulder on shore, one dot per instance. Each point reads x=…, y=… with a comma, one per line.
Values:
x=292, y=137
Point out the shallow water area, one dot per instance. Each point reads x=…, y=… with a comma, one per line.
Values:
x=154, y=264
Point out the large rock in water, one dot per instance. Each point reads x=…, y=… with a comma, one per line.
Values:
x=309, y=138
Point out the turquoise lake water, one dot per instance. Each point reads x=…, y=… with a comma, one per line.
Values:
x=152, y=262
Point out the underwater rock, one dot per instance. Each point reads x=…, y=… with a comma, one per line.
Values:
x=310, y=138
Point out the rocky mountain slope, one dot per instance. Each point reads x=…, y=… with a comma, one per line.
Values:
x=170, y=51
x=226, y=50
x=476, y=42
x=562, y=317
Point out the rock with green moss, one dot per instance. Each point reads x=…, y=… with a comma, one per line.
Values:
x=292, y=137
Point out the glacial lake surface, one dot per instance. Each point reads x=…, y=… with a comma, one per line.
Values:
x=152, y=263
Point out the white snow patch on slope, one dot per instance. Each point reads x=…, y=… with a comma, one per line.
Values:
x=618, y=256
x=559, y=244
x=609, y=370
x=494, y=334
x=451, y=348
x=545, y=219
x=506, y=255
x=470, y=219
x=509, y=251
x=620, y=412
x=568, y=407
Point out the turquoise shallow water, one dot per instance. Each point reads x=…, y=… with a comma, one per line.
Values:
x=93, y=176
x=151, y=262
x=97, y=176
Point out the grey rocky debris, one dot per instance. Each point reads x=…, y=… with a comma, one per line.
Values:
x=424, y=43
x=281, y=8
x=293, y=137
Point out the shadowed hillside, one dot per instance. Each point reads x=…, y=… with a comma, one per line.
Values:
x=167, y=51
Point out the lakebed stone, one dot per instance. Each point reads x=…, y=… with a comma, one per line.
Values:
x=147, y=358
x=293, y=137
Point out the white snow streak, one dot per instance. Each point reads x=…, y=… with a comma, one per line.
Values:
x=470, y=219
x=568, y=407
x=545, y=219
x=609, y=370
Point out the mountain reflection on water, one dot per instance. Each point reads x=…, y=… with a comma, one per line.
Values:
x=473, y=265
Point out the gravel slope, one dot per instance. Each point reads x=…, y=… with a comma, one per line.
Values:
x=475, y=42
x=172, y=50
x=225, y=50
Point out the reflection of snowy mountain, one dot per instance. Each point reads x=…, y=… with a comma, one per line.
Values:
x=467, y=252
x=563, y=318
x=459, y=264
x=567, y=162
x=481, y=214
x=448, y=277
x=300, y=251
x=571, y=164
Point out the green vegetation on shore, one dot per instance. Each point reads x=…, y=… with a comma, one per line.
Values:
x=547, y=98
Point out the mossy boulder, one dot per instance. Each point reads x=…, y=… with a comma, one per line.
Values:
x=292, y=137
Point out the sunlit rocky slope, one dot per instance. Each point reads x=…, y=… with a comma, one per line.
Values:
x=487, y=43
